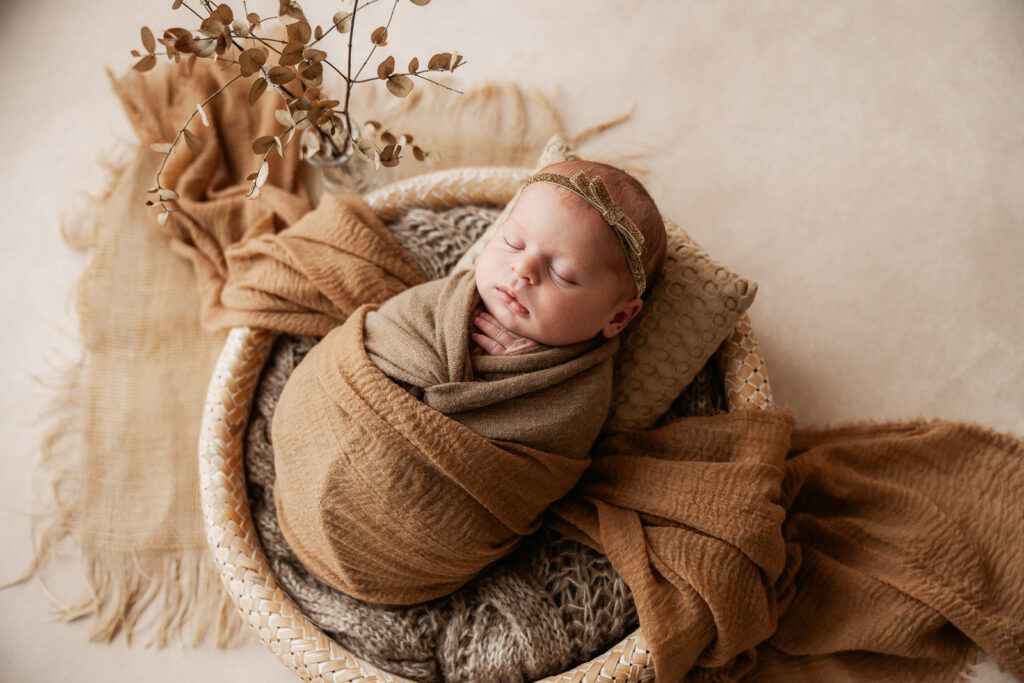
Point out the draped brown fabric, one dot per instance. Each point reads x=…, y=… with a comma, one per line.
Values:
x=310, y=277
x=867, y=553
x=746, y=554
x=689, y=516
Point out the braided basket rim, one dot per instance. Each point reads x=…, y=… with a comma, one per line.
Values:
x=231, y=533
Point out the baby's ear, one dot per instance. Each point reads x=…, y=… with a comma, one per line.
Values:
x=621, y=316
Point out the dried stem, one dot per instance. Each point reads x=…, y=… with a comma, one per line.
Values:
x=348, y=81
x=386, y=27
x=334, y=26
x=266, y=154
x=418, y=75
x=219, y=59
x=438, y=83
x=181, y=130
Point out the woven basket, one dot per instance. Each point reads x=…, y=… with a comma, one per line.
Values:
x=229, y=527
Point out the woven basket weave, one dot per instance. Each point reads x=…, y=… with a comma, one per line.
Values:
x=230, y=531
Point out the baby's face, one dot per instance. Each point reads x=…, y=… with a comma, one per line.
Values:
x=555, y=271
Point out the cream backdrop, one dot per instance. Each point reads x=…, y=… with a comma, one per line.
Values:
x=862, y=160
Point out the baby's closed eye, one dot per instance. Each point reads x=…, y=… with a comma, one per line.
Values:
x=561, y=277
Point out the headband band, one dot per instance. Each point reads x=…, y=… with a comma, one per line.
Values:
x=596, y=194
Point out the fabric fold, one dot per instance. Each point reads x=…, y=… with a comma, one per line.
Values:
x=688, y=514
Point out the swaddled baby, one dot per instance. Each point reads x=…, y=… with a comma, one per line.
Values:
x=551, y=291
x=399, y=490
x=555, y=274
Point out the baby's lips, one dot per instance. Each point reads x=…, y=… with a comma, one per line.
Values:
x=512, y=302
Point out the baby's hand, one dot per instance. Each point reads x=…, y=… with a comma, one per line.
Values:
x=496, y=340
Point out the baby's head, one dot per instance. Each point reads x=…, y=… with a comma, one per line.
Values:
x=556, y=271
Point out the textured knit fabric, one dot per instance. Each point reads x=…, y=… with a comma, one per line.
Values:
x=436, y=239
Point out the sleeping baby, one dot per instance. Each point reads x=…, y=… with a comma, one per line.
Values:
x=555, y=274
x=421, y=440
x=557, y=282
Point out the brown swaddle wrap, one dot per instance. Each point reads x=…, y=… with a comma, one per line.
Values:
x=551, y=398
x=396, y=500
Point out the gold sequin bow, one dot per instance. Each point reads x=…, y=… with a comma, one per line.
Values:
x=596, y=194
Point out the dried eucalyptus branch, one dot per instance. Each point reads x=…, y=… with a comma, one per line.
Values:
x=326, y=123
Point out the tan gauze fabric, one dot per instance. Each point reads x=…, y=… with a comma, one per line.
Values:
x=871, y=553
x=549, y=398
x=389, y=500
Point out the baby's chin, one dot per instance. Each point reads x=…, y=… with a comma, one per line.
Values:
x=506, y=318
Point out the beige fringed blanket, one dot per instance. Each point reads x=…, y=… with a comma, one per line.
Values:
x=121, y=447
x=871, y=553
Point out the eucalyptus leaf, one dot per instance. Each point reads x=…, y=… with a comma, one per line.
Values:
x=148, y=41
x=399, y=86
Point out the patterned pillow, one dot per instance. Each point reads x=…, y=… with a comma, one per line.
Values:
x=691, y=307
x=694, y=304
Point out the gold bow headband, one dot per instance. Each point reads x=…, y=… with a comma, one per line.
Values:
x=596, y=194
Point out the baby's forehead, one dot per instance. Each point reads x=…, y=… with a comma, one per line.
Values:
x=579, y=230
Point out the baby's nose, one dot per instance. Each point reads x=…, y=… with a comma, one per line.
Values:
x=524, y=270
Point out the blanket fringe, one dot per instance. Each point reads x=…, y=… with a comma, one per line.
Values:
x=78, y=225
x=178, y=591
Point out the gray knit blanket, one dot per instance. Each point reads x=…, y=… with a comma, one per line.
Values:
x=548, y=606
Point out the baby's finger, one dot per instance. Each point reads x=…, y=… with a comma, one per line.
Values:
x=520, y=344
x=489, y=345
x=490, y=318
x=492, y=328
